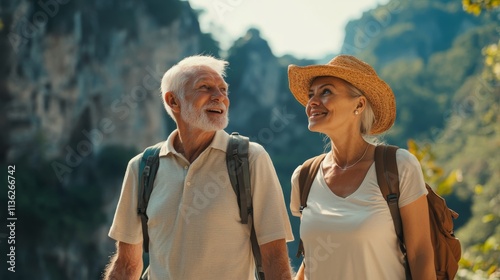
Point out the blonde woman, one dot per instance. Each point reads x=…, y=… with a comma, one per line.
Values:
x=346, y=228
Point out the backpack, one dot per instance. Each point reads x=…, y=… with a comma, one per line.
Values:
x=447, y=248
x=239, y=175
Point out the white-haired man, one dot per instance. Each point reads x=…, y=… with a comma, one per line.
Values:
x=194, y=220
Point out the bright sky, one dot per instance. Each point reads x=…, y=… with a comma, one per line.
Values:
x=303, y=28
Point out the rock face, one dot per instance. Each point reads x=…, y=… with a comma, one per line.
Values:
x=77, y=69
x=254, y=76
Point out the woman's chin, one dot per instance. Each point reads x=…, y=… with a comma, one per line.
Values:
x=313, y=127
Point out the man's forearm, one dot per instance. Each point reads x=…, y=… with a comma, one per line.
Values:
x=117, y=270
x=126, y=263
x=275, y=260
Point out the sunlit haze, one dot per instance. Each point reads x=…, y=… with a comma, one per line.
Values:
x=305, y=29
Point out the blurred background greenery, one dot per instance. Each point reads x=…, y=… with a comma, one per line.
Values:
x=79, y=98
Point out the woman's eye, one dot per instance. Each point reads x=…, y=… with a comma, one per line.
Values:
x=326, y=91
x=310, y=95
x=204, y=87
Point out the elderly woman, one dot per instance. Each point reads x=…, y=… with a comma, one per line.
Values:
x=346, y=228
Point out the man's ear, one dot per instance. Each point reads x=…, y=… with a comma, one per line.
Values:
x=172, y=101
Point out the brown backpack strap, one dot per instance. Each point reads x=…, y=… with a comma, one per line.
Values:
x=306, y=176
x=387, y=172
x=388, y=181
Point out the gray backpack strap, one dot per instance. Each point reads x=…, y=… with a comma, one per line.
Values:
x=147, y=172
x=239, y=174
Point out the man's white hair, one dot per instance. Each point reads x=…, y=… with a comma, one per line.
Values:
x=176, y=77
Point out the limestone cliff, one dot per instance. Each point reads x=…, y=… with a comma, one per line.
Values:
x=91, y=69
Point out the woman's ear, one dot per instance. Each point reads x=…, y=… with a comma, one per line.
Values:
x=172, y=101
x=361, y=104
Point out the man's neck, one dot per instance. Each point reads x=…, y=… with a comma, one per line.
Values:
x=191, y=143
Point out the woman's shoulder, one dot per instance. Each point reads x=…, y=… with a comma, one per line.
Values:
x=404, y=158
x=298, y=169
x=404, y=154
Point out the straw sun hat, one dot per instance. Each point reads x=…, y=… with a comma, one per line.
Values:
x=359, y=74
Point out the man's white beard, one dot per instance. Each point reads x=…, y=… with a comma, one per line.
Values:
x=200, y=119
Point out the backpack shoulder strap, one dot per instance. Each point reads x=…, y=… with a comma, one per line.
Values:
x=147, y=172
x=388, y=180
x=239, y=174
x=306, y=176
x=387, y=173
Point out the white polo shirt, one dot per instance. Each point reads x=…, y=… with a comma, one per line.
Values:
x=194, y=222
x=354, y=238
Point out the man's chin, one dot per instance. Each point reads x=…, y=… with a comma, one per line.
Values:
x=219, y=124
x=213, y=126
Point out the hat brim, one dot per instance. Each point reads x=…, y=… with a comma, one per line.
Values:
x=378, y=93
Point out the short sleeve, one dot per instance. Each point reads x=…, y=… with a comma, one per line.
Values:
x=270, y=215
x=295, y=193
x=126, y=225
x=411, y=179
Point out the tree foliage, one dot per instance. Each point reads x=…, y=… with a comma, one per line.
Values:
x=492, y=62
x=479, y=126
x=477, y=6
x=433, y=173
x=470, y=142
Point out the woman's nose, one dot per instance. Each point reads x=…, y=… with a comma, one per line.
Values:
x=313, y=101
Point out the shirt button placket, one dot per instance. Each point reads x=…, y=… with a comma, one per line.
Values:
x=186, y=176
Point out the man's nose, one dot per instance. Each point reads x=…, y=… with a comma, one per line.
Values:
x=218, y=95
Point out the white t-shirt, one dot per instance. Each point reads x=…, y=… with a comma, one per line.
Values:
x=194, y=220
x=354, y=237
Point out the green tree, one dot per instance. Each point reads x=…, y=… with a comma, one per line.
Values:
x=476, y=6
x=482, y=234
x=492, y=62
x=434, y=174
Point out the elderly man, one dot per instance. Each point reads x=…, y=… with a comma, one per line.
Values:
x=195, y=232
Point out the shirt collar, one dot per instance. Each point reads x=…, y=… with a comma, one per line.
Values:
x=220, y=140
